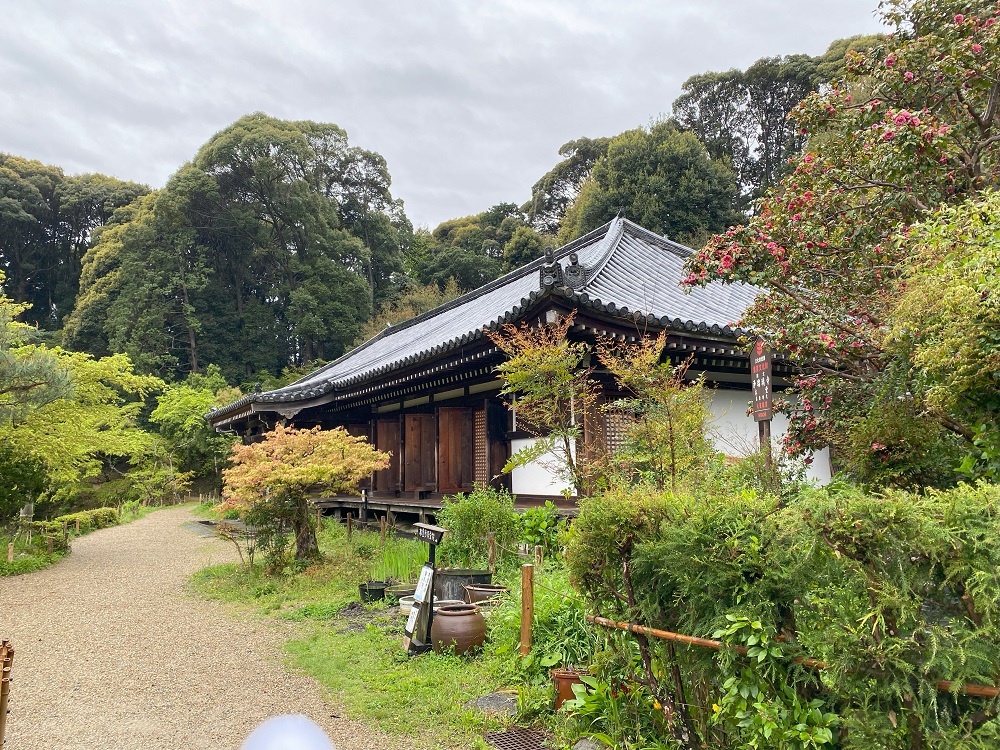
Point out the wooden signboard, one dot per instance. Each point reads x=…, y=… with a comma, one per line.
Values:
x=760, y=381
x=417, y=633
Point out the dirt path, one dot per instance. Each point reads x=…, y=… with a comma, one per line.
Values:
x=112, y=652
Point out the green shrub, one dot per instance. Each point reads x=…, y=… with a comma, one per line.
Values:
x=469, y=518
x=560, y=633
x=90, y=520
x=541, y=527
x=893, y=592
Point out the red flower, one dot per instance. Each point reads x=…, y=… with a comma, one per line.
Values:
x=959, y=18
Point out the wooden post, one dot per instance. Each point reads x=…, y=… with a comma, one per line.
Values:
x=381, y=529
x=491, y=547
x=538, y=555
x=4, y=699
x=348, y=527
x=10, y=552
x=764, y=435
x=49, y=544
x=319, y=519
x=527, y=606
x=78, y=526
x=65, y=529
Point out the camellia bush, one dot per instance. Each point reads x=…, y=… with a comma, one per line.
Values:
x=848, y=620
x=911, y=126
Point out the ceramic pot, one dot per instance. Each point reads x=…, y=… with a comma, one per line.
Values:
x=458, y=626
x=475, y=593
x=564, y=679
x=405, y=605
x=372, y=591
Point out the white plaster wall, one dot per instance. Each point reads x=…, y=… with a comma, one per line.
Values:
x=535, y=478
x=735, y=432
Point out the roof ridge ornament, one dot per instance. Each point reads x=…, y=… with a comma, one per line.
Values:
x=575, y=275
x=551, y=273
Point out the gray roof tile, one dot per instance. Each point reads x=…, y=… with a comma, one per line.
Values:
x=632, y=273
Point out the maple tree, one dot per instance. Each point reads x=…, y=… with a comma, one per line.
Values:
x=912, y=125
x=270, y=480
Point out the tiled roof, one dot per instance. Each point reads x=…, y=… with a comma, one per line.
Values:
x=630, y=272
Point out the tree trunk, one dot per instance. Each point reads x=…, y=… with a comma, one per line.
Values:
x=306, y=546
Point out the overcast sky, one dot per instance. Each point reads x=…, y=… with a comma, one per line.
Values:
x=468, y=100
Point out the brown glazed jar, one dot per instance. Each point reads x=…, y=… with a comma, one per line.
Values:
x=460, y=626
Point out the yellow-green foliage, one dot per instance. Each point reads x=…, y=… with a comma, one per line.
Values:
x=269, y=480
x=90, y=520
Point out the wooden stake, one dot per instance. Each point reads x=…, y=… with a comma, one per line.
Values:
x=491, y=547
x=10, y=552
x=538, y=555
x=319, y=518
x=381, y=529
x=348, y=527
x=78, y=526
x=4, y=699
x=527, y=606
x=49, y=545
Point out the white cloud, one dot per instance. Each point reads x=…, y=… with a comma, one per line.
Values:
x=468, y=101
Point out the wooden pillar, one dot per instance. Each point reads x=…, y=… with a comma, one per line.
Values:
x=538, y=555
x=348, y=527
x=491, y=547
x=527, y=606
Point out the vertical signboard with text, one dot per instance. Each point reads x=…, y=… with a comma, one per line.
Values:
x=760, y=381
x=763, y=402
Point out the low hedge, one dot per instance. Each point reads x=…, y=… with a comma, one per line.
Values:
x=897, y=595
x=90, y=520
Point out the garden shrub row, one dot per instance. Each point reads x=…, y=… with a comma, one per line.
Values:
x=894, y=593
x=90, y=520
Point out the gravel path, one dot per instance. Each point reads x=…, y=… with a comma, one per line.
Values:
x=111, y=651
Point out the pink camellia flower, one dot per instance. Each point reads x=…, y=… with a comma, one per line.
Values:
x=959, y=18
x=890, y=61
x=977, y=48
x=902, y=118
x=908, y=75
x=888, y=135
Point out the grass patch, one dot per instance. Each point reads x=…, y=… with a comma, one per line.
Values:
x=355, y=650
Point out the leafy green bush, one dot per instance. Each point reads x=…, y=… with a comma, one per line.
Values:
x=469, y=518
x=541, y=527
x=560, y=633
x=896, y=593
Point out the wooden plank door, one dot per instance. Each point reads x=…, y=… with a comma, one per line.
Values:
x=419, y=442
x=456, y=450
x=387, y=439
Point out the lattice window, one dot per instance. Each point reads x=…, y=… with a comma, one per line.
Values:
x=616, y=427
x=480, y=447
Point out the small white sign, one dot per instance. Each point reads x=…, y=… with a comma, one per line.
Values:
x=411, y=621
x=424, y=584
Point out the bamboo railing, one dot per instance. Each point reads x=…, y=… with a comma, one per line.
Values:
x=945, y=686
